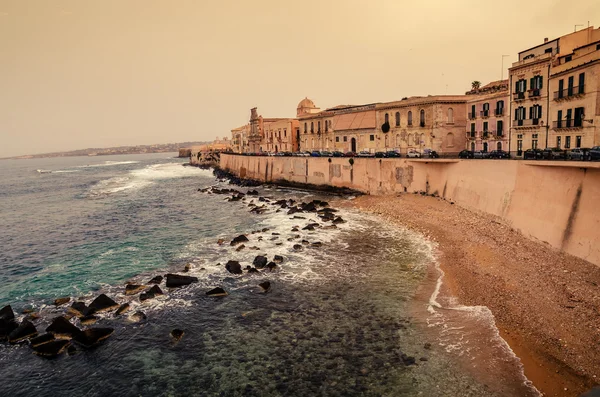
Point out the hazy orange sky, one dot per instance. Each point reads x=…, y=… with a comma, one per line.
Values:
x=78, y=73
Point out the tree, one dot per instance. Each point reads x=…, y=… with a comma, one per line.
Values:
x=475, y=85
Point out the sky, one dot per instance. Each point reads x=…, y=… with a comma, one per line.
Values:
x=80, y=73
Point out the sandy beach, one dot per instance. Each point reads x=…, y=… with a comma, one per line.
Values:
x=546, y=304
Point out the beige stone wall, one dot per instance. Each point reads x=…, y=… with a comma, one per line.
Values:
x=554, y=202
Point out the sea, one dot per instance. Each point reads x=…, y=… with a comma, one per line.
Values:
x=357, y=315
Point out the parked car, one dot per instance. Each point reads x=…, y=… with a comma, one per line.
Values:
x=533, y=154
x=380, y=154
x=413, y=154
x=499, y=154
x=579, y=154
x=594, y=153
x=480, y=154
x=349, y=154
x=337, y=154
x=364, y=153
x=315, y=153
x=325, y=153
x=392, y=154
x=432, y=154
x=465, y=154
x=554, y=154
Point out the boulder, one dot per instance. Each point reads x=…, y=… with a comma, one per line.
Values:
x=176, y=280
x=338, y=220
x=187, y=268
x=24, y=331
x=305, y=242
x=253, y=270
x=241, y=247
x=265, y=286
x=78, y=309
x=408, y=360
x=6, y=327
x=124, y=308
x=151, y=293
x=252, y=192
x=260, y=261
x=317, y=244
x=132, y=289
x=271, y=266
x=309, y=228
x=278, y=259
x=239, y=239
x=62, y=328
x=297, y=247
x=61, y=301
x=156, y=280
x=88, y=320
x=102, y=304
x=7, y=313
x=308, y=207
x=92, y=336
x=177, y=334
x=220, y=241
x=233, y=267
x=40, y=340
x=71, y=350
x=137, y=317
x=52, y=348
x=217, y=292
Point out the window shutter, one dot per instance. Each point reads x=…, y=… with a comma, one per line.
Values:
x=524, y=85
x=531, y=112
x=532, y=82
x=517, y=86
x=516, y=114
x=540, y=82
x=539, y=112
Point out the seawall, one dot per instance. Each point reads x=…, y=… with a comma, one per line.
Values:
x=552, y=201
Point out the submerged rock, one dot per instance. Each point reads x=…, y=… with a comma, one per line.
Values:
x=297, y=247
x=176, y=280
x=239, y=239
x=156, y=280
x=260, y=261
x=241, y=247
x=187, y=268
x=217, y=292
x=317, y=244
x=271, y=266
x=220, y=241
x=151, y=293
x=233, y=267
x=24, y=331
x=278, y=259
x=338, y=220
x=253, y=270
x=52, y=348
x=265, y=286
x=124, y=308
x=132, y=289
x=88, y=320
x=61, y=301
x=40, y=340
x=7, y=313
x=78, y=309
x=62, y=328
x=92, y=336
x=177, y=334
x=102, y=304
x=137, y=317
x=7, y=322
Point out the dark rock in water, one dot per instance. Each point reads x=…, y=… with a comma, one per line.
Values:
x=278, y=259
x=310, y=207
x=71, y=350
x=137, y=317
x=239, y=239
x=427, y=345
x=338, y=220
x=156, y=280
x=271, y=266
x=329, y=227
x=156, y=290
x=297, y=247
x=295, y=229
x=62, y=328
x=6, y=327
x=124, y=308
x=264, y=230
x=423, y=359
x=324, y=204
x=278, y=243
x=317, y=244
x=253, y=270
x=132, y=289
x=61, y=301
x=78, y=309
x=408, y=360
x=52, y=348
x=88, y=320
x=305, y=242
x=187, y=268
x=24, y=331
x=220, y=241
x=27, y=311
x=40, y=340
x=102, y=304
x=241, y=247
x=176, y=280
x=595, y=392
x=92, y=336
x=7, y=313
x=252, y=192
x=177, y=334
x=217, y=292
x=233, y=267
x=266, y=286
x=260, y=261
x=309, y=228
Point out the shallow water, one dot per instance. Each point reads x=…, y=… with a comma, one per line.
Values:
x=336, y=321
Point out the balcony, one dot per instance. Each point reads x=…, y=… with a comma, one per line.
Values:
x=526, y=123
x=567, y=123
x=570, y=92
x=499, y=112
x=518, y=96
x=485, y=113
x=472, y=116
x=485, y=134
x=471, y=135
x=534, y=93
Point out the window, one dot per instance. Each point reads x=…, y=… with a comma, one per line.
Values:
x=499, y=108
x=561, y=88
x=284, y=133
x=305, y=130
x=485, y=127
x=519, y=147
x=312, y=127
x=535, y=113
x=519, y=115
x=450, y=139
x=578, y=139
x=450, y=115
x=548, y=51
x=499, y=127
x=579, y=114
x=397, y=119
x=472, y=130
x=472, y=114
x=397, y=139
x=521, y=86
x=536, y=82
x=319, y=127
x=567, y=142
x=558, y=141
x=326, y=125
x=568, y=58
x=486, y=110
x=499, y=146
x=345, y=139
x=409, y=117
x=371, y=137
x=570, y=87
x=422, y=118
x=337, y=138
x=387, y=118
x=581, y=83
x=534, y=141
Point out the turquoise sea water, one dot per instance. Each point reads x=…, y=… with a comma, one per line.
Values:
x=336, y=322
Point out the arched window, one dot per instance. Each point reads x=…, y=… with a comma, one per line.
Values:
x=499, y=145
x=409, y=117
x=397, y=119
x=319, y=126
x=422, y=118
x=499, y=128
x=450, y=115
x=387, y=118
x=312, y=127
x=305, y=128
x=450, y=139
x=326, y=125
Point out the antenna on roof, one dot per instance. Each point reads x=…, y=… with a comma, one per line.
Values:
x=575, y=30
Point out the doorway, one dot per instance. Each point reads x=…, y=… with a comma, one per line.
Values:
x=353, y=144
x=485, y=147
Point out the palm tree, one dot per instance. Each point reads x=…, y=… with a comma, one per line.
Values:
x=475, y=85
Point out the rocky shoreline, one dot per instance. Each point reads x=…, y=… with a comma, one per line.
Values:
x=545, y=303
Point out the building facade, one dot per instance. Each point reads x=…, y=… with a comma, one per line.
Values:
x=487, y=117
x=239, y=139
x=271, y=135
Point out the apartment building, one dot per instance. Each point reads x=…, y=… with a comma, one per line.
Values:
x=488, y=117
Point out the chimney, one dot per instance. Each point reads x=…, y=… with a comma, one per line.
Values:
x=545, y=40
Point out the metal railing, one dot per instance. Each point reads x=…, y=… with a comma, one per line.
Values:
x=569, y=92
x=526, y=122
x=485, y=113
x=517, y=96
x=567, y=123
x=472, y=116
x=535, y=92
x=499, y=112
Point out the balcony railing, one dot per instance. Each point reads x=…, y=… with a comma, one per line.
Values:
x=485, y=134
x=472, y=116
x=471, y=134
x=485, y=113
x=567, y=123
x=569, y=92
x=526, y=122
x=534, y=93
x=518, y=96
x=499, y=112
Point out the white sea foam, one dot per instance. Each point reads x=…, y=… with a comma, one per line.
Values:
x=108, y=164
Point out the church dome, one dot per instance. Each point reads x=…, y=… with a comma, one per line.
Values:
x=306, y=106
x=306, y=103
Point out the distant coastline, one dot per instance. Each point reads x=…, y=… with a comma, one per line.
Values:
x=138, y=149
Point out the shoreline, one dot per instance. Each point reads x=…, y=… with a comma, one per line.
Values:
x=544, y=302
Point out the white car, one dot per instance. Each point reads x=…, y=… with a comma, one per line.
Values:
x=413, y=154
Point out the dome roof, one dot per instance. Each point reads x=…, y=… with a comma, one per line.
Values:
x=306, y=103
